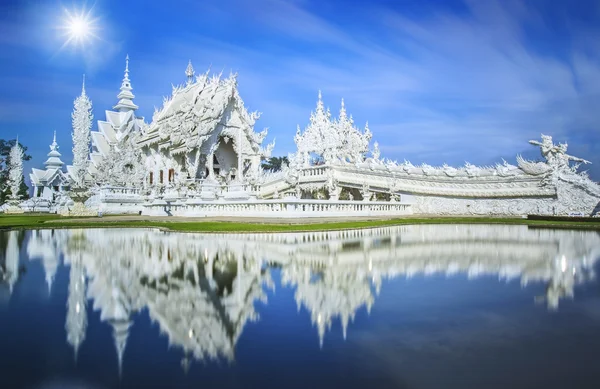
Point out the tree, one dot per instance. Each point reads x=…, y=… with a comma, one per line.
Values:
x=82, y=124
x=275, y=164
x=5, y=192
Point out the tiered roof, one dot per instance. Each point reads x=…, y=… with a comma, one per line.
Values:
x=53, y=166
x=118, y=124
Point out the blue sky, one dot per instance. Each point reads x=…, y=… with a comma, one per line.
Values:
x=438, y=81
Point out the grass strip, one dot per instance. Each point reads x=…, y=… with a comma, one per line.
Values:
x=28, y=221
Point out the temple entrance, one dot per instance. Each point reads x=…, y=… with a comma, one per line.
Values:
x=225, y=161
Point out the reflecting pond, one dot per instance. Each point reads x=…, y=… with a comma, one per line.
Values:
x=429, y=306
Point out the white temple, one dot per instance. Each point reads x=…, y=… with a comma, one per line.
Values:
x=50, y=184
x=200, y=156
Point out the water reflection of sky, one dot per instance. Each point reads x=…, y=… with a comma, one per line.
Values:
x=425, y=307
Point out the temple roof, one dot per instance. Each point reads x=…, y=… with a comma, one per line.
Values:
x=41, y=177
x=54, y=160
x=202, y=110
x=117, y=126
x=54, y=164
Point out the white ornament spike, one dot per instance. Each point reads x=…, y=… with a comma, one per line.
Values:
x=15, y=171
x=82, y=124
x=189, y=73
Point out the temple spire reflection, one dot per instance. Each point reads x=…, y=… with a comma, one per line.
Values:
x=45, y=245
x=12, y=260
x=202, y=290
x=76, y=323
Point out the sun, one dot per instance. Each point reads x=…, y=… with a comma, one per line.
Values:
x=79, y=28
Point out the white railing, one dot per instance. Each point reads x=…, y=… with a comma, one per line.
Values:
x=217, y=188
x=288, y=208
x=120, y=190
x=314, y=171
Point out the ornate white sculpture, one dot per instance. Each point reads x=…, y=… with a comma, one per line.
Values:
x=332, y=141
x=15, y=172
x=376, y=152
x=82, y=124
x=123, y=165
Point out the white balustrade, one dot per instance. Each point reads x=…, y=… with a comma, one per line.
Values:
x=287, y=208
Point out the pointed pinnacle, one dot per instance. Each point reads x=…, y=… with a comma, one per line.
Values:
x=189, y=71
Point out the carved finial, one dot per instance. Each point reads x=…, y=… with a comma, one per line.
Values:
x=54, y=145
x=189, y=72
x=127, y=64
x=343, y=110
x=376, y=152
x=320, y=106
x=83, y=86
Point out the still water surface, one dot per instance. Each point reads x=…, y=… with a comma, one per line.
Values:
x=401, y=307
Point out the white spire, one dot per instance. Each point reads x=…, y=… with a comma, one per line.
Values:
x=189, y=72
x=54, y=160
x=15, y=171
x=125, y=96
x=343, y=111
x=82, y=118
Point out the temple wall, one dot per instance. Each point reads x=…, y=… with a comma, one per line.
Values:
x=570, y=199
x=438, y=205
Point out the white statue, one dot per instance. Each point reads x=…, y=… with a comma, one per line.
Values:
x=556, y=155
x=376, y=152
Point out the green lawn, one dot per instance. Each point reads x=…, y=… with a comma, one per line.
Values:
x=54, y=221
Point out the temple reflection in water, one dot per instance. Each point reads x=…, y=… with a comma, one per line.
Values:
x=201, y=288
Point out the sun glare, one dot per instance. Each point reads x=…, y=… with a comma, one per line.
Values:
x=79, y=28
